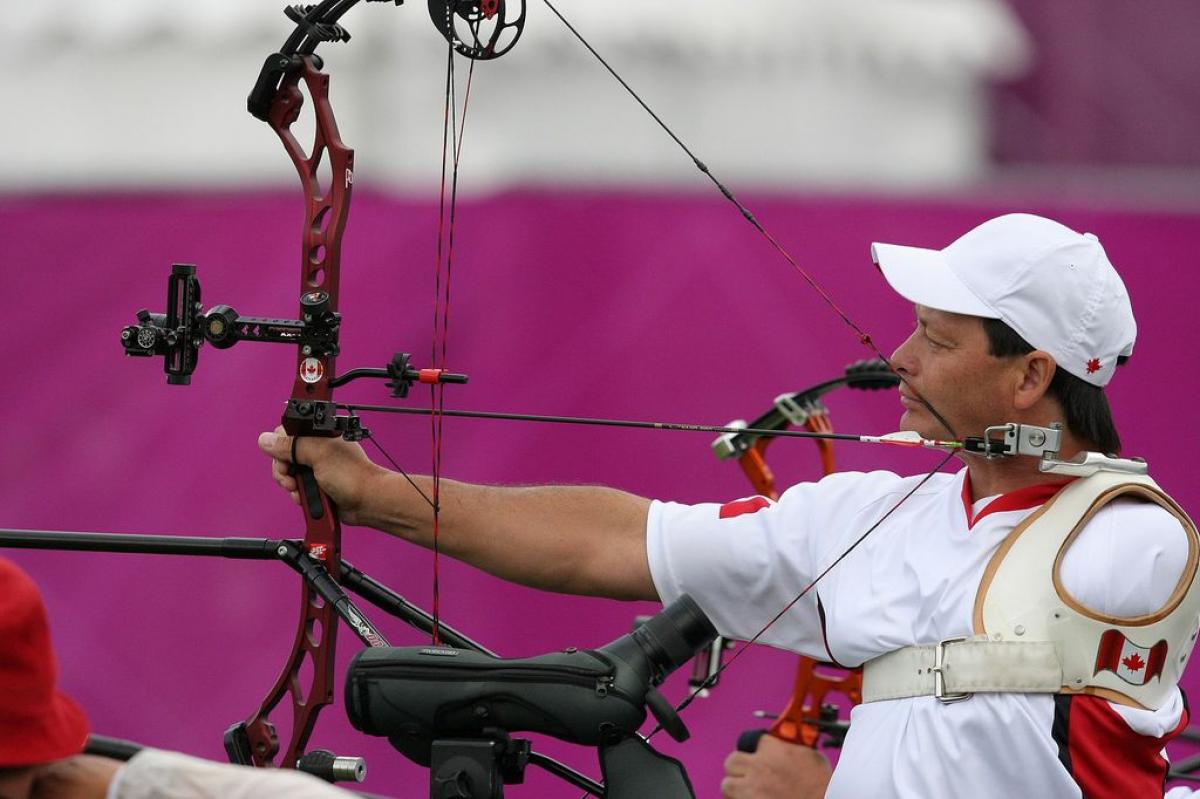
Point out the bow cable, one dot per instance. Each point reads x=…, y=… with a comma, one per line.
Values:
x=748, y=215
x=762, y=631
x=861, y=334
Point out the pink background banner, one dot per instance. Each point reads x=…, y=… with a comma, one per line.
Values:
x=635, y=306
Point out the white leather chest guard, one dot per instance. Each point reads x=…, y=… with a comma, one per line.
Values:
x=1134, y=661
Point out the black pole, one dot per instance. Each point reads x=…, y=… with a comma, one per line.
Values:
x=392, y=603
x=196, y=545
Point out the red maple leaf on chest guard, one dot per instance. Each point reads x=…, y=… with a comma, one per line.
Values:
x=1133, y=662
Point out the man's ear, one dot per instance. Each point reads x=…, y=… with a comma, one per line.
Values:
x=1038, y=369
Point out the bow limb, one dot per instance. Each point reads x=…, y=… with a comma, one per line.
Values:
x=753, y=464
x=802, y=719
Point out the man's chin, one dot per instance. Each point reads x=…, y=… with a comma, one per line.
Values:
x=910, y=420
x=922, y=423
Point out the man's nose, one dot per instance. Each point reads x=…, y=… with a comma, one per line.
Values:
x=901, y=358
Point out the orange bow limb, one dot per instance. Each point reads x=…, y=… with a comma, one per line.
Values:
x=808, y=713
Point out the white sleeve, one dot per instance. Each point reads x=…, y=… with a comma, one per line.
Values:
x=1127, y=560
x=155, y=774
x=744, y=562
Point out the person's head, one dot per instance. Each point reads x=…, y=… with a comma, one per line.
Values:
x=39, y=724
x=1020, y=320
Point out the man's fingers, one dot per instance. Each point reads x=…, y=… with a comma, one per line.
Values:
x=282, y=474
x=277, y=444
x=777, y=769
x=737, y=764
x=285, y=482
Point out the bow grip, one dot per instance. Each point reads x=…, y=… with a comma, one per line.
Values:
x=310, y=491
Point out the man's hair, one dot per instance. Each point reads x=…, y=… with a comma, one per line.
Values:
x=1085, y=405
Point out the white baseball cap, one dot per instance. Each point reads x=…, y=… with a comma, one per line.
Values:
x=1053, y=286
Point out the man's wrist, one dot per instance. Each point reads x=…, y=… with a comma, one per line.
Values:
x=384, y=498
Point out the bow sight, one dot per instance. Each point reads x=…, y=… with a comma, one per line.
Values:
x=178, y=335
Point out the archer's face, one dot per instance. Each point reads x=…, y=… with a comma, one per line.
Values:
x=946, y=362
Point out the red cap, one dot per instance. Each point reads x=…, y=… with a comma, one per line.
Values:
x=38, y=722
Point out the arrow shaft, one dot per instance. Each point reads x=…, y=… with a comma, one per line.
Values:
x=648, y=425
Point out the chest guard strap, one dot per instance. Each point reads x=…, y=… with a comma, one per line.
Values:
x=1031, y=636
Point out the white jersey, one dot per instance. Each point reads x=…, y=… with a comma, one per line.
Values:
x=913, y=581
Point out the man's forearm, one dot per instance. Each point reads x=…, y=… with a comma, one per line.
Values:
x=570, y=539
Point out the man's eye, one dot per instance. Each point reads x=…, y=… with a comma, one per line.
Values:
x=923, y=329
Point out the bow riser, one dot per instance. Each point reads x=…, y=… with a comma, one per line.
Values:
x=326, y=210
x=326, y=207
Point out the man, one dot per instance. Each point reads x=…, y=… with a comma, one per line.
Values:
x=43, y=731
x=1021, y=320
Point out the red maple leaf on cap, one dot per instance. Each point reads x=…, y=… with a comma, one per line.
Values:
x=1093, y=366
x=1133, y=662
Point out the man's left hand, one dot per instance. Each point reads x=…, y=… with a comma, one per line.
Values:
x=777, y=770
